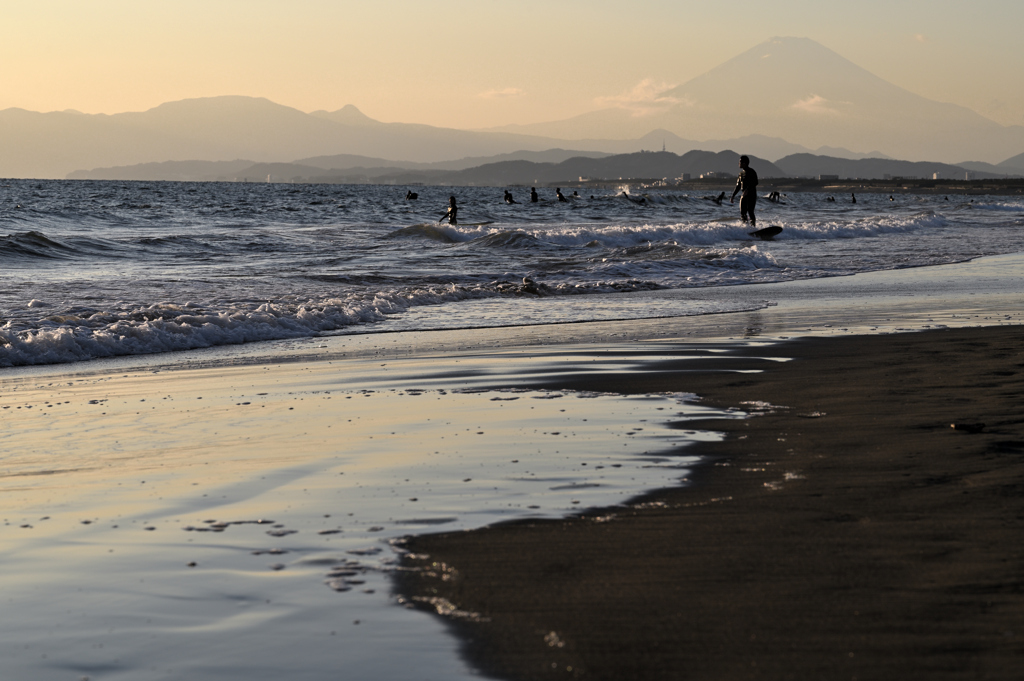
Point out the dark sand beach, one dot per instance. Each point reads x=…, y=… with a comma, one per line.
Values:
x=230, y=513
x=846, y=531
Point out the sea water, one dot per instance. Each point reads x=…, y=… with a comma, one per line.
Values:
x=104, y=268
x=117, y=569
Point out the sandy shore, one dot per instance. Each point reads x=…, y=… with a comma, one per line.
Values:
x=228, y=513
x=845, y=532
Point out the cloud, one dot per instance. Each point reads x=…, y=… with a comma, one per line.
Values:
x=645, y=98
x=505, y=93
x=816, y=104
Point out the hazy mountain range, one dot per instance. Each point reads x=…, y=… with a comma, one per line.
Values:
x=801, y=91
x=539, y=168
x=786, y=96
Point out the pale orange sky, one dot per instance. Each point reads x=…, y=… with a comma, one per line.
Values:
x=477, y=64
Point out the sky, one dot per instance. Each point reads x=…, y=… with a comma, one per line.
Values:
x=480, y=63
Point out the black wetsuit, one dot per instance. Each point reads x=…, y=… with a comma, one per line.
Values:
x=747, y=182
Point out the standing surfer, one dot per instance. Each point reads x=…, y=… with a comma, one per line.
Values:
x=453, y=212
x=747, y=181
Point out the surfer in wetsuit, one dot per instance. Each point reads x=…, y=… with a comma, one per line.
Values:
x=747, y=181
x=411, y=195
x=453, y=212
x=558, y=194
x=508, y=197
x=533, y=195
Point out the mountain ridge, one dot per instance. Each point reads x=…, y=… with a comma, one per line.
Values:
x=797, y=89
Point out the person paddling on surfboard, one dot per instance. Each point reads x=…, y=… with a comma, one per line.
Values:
x=453, y=212
x=747, y=181
x=508, y=197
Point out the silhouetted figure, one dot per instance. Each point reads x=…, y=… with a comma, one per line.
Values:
x=533, y=195
x=853, y=198
x=411, y=196
x=558, y=194
x=718, y=199
x=508, y=197
x=575, y=194
x=831, y=199
x=775, y=197
x=890, y=198
x=747, y=182
x=453, y=212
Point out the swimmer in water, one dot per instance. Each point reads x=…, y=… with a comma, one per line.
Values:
x=533, y=195
x=452, y=213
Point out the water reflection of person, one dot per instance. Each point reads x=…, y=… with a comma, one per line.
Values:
x=452, y=213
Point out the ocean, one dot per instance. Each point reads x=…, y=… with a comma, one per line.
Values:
x=168, y=518
x=96, y=269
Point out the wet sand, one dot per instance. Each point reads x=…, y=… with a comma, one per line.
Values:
x=846, y=531
x=129, y=490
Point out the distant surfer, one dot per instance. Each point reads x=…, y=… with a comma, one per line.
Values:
x=558, y=195
x=639, y=202
x=411, y=196
x=453, y=212
x=853, y=198
x=533, y=195
x=775, y=197
x=575, y=195
x=747, y=182
x=508, y=197
x=718, y=199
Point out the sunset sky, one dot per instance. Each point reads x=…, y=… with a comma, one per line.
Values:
x=478, y=63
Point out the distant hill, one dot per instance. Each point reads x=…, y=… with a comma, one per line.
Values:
x=983, y=169
x=809, y=165
x=799, y=90
x=171, y=171
x=645, y=165
x=1014, y=165
x=226, y=128
x=348, y=161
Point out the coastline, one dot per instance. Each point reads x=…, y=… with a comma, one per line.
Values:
x=261, y=444
x=848, y=532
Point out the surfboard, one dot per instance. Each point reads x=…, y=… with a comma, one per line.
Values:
x=768, y=233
